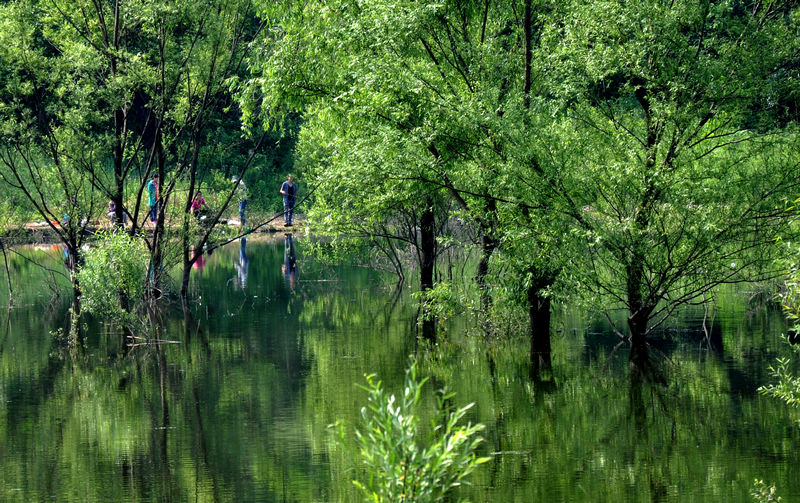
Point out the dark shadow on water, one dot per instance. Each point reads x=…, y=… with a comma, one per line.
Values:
x=648, y=404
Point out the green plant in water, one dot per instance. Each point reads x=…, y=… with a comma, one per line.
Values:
x=787, y=385
x=441, y=303
x=764, y=493
x=402, y=463
x=113, y=278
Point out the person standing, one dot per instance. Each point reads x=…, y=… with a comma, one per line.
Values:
x=289, y=191
x=241, y=192
x=152, y=197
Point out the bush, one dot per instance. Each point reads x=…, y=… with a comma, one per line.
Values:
x=401, y=463
x=115, y=268
x=763, y=493
x=787, y=385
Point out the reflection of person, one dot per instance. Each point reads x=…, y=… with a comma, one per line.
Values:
x=243, y=264
x=152, y=197
x=289, y=191
x=200, y=263
x=241, y=192
x=289, y=266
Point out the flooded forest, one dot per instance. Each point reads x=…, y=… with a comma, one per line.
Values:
x=406, y=251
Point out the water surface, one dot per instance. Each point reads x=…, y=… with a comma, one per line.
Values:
x=272, y=353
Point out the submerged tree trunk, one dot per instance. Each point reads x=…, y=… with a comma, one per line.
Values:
x=72, y=262
x=539, y=315
x=74, y=321
x=427, y=228
x=639, y=312
x=427, y=248
x=637, y=323
x=8, y=274
x=187, y=270
x=489, y=244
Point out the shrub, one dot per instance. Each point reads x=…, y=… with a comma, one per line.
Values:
x=403, y=464
x=114, y=269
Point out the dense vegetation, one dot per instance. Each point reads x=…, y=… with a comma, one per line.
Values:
x=629, y=155
x=634, y=155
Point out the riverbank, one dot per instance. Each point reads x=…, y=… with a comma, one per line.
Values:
x=35, y=233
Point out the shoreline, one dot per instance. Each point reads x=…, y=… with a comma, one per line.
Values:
x=43, y=234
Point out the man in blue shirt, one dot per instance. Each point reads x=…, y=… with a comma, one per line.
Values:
x=289, y=191
x=152, y=198
x=241, y=193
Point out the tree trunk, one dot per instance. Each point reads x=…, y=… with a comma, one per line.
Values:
x=427, y=247
x=186, y=239
x=526, y=86
x=639, y=311
x=120, y=125
x=72, y=264
x=539, y=315
x=187, y=270
x=8, y=275
x=74, y=321
x=489, y=244
x=427, y=264
x=157, y=253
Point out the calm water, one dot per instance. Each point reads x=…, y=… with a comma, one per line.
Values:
x=274, y=350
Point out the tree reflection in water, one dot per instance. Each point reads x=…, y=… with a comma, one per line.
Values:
x=239, y=410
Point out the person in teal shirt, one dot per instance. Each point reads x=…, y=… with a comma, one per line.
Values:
x=152, y=197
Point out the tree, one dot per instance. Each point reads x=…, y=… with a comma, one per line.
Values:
x=117, y=91
x=683, y=183
x=425, y=98
x=44, y=144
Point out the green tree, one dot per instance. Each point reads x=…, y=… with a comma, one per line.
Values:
x=104, y=94
x=420, y=107
x=44, y=143
x=683, y=180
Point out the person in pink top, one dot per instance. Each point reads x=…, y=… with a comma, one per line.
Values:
x=197, y=204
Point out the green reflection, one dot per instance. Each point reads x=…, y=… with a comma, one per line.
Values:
x=239, y=410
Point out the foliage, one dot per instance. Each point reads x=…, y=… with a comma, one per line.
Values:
x=442, y=303
x=115, y=267
x=673, y=190
x=397, y=121
x=401, y=463
x=763, y=493
x=620, y=152
x=787, y=385
x=97, y=96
